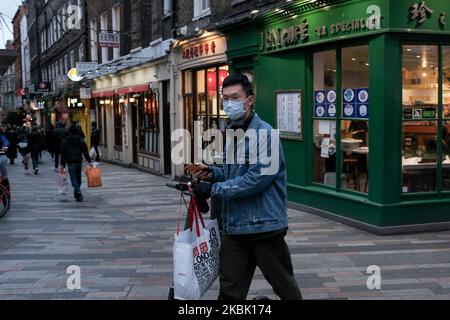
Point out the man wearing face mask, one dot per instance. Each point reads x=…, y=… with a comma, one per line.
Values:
x=254, y=205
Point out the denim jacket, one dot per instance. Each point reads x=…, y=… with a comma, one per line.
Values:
x=252, y=202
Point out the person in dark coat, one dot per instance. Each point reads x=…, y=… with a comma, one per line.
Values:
x=13, y=141
x=72, y=151
x=95, y=139
x=78, y=127
x=36, y=144
x=59, y=134
x=23, y=146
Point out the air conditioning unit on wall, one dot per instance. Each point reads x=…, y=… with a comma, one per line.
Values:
x=180, y=32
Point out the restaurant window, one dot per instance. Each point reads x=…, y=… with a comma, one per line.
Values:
x=420, y=100
x=207, y=107
x=149, y=124
x=446, y=115
x=354, y=117
x=324, y=123
x=117, y=123
x=101, y=120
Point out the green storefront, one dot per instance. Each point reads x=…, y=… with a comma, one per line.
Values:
x=360, y=90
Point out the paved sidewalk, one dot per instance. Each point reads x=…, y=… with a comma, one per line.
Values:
x=121, y=237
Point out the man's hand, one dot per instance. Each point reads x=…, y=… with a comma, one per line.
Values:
x=4, y=149
x=200, y=171
x=203, y=190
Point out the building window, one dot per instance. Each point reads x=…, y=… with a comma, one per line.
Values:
x=426, y=119
x=342, y=123
x=81, y=53
x=61, y=66
x=446, y=121
x=355, y=118
x=324, y=124
x=167, y=7
x=201, y=8
x=117, y=123
x=149, y=124
x=116, y=28
x=104, y=28
x=66, y=64
x=72, y=59
x=94, y=40
x=202, y=89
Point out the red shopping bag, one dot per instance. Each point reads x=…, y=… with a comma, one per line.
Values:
x=94, y=176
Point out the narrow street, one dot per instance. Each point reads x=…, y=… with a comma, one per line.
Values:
x=121, y=238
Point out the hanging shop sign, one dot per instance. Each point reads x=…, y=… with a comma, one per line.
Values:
x=108, y=40
x=74, y=76
x=43, y=87
x=74, y=103
x=85, y=93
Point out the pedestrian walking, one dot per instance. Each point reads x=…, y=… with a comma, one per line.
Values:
x=23, y=146
x=36, y=144
x=254, y=212
x=58, y=136
x=11, y=135
x=95, y=140
x=72, y=151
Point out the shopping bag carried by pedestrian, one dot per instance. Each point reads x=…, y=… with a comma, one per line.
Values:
x=94, y=176
x=62, y=176
x=93, y=153
x=196, y=256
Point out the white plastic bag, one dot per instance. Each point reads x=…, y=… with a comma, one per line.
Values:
x=93, y=153
x=196, y=259
x=62, y=182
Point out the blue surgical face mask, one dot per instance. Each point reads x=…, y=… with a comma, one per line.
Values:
x=234, y=109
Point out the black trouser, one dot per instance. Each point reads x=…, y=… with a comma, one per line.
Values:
x=57, y=154
x=75, y=176
x=35, y=159
x=239, y=259
x=97, y=158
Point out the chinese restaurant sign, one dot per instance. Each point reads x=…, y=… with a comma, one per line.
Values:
x=356, y=19
x=200, y=50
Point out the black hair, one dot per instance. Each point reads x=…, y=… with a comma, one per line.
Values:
x=73, y=130
x=241, y=79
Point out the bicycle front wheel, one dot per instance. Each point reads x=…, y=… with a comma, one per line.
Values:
x=5, y=201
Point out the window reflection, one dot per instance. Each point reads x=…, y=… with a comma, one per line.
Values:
x=420, y=125
x=355, y=115
x=446, y=116
x=325, y=121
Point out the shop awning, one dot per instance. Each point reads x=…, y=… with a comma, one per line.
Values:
x=133, y=89
x=105, y=93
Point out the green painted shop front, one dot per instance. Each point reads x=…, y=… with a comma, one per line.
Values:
x=390, y=179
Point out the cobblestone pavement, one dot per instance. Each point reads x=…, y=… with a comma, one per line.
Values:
x=121, y=237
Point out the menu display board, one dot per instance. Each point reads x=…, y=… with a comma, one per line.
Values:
x=289, y=114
